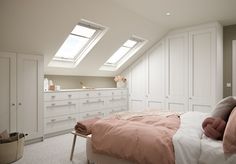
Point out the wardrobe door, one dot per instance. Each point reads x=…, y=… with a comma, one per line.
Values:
x=177, y=72
x=7, y=92
x=156, y=78
x=137, y=86
x=202, y=69
x=30, y=95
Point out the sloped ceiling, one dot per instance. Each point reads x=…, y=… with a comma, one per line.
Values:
x=41, y=26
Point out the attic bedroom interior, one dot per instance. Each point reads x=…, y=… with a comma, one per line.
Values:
x=117, y=82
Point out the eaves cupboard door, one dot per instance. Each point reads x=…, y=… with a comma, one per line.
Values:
x=155, y=98
x=137, y=86
x=30, y=95
x=202, y=61
x=21, y=94
x=177, y=72
x=7, y=92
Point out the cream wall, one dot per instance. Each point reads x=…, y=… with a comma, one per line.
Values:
x=73, y=82
x=229, y=35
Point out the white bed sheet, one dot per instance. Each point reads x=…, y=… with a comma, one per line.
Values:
x=212, y=153
x=187, y=140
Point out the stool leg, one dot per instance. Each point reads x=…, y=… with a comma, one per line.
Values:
x=73, y=147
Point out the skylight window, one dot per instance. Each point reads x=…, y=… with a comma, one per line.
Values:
x=121, y=52
x=127, y=50
x=80, y=41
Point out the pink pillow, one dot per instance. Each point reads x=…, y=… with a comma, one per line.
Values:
x=214, y=127
x=229, y=139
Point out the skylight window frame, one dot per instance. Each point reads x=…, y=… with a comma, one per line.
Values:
x=114, y=66
x=72, y=63
x=85, y=46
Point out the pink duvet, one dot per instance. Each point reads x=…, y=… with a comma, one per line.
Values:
x=141, y=139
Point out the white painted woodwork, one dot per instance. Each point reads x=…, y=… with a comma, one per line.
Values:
x=202, y=68
x=192, y=70
x=138, y=86
x=21, y=94
x=177, y=72
x=62, y=109
x=8, y=92
x=30, y=95
x=155, y=82
x=234, y=68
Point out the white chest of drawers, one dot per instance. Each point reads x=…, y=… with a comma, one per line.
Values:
x=62, y=109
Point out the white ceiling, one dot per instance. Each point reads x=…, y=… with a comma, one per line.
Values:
x=41, y=26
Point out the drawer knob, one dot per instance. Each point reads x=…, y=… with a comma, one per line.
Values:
x=53, y=120
x=53, y=97
x=69, y=95
x=69, y=103
x=87, y=94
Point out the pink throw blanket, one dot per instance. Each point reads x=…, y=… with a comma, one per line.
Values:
x=84, y=127
x=141, y=139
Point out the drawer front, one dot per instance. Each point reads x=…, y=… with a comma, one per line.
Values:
x=61, y=96
x=91, y=104
x=93, y=94
x=118, y=92
x=57, y=124
x=118, y=109
x=59, y=108
x=117, y=101
x=89, y=115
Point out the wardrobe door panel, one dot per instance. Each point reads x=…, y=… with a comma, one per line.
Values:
x=7, y=92
x=155, y=72
x=30, y=90
x=177, y=71
x=137, y=86
x=202, y=68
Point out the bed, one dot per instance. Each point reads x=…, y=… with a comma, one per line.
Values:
x=190, y=145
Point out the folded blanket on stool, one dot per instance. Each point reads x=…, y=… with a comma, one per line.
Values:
x=84, y=127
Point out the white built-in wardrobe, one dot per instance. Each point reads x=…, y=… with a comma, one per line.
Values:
x=21, y=94
x=182, y=72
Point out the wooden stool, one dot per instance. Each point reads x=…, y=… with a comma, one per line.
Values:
x=74, y=141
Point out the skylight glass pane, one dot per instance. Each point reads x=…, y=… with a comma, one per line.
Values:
x=118, y=55
x=83, y=31
x=70, y=48
x=130, y=43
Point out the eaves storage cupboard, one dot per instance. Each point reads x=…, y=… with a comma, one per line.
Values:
x=21, y=94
